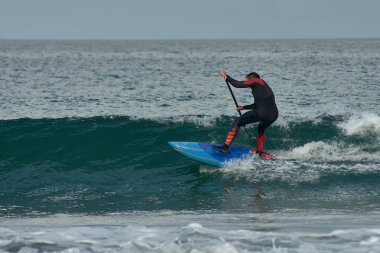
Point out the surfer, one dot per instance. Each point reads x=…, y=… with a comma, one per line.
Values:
x=263, y=110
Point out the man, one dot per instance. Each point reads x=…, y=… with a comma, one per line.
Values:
x=263, y=110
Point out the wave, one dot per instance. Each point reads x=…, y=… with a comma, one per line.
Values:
x=115, y=164
x=113, y=142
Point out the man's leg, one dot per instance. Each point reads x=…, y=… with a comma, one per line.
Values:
x=246, y=118
x=233, y=132
x=261, y=135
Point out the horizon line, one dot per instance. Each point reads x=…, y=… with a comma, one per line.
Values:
x=181, y=39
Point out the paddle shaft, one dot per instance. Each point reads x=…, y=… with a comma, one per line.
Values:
x=233, y=96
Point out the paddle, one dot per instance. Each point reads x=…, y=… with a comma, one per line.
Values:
x=233, y=96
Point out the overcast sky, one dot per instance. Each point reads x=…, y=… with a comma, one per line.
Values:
x=188, y=19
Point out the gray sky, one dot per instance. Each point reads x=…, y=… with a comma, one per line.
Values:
x=190, y=19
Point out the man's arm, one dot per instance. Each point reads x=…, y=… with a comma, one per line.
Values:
x=250, y=107
x=235, y=83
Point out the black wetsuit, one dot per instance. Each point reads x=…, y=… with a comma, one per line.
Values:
x=264, y=110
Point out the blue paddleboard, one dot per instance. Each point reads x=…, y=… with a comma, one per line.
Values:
x=206, y=152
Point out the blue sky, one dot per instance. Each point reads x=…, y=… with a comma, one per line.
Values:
x=190, y=19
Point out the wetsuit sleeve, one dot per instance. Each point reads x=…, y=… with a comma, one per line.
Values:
x=250, y=107
x=237, y=84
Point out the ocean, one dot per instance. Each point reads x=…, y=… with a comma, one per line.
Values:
x=85, y=165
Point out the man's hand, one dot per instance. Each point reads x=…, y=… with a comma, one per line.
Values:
x=239, y=108
x=223, y=73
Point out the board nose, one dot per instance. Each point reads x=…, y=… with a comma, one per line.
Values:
x=173, y=144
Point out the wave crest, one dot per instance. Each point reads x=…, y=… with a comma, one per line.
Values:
x=361, y=124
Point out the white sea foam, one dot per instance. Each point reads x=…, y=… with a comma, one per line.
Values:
x=371, y=241
x=318, y=150
x=361, y=124
x=204, y=121
x=212, y=232
x=331, y=151
x=307, y=163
